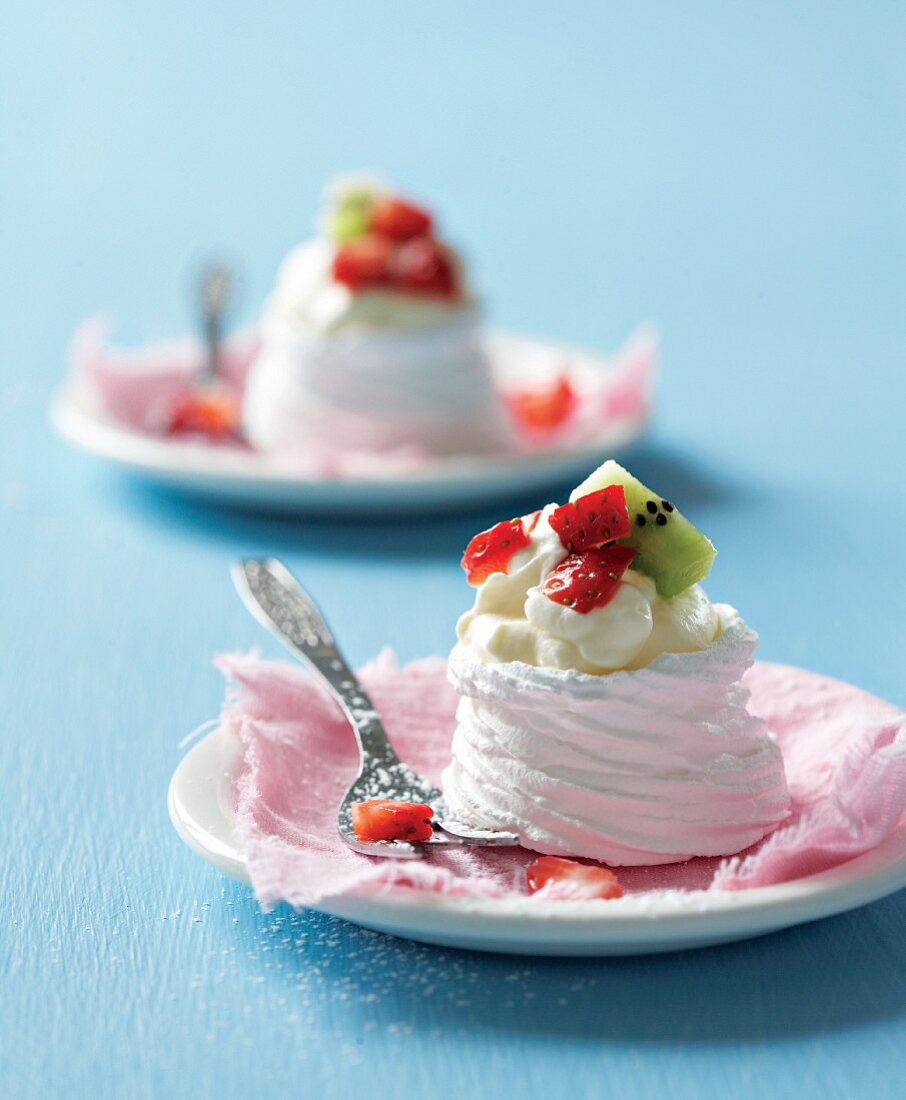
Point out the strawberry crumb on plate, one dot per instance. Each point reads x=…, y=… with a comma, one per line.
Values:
x=212, y=411
x=568, y=880
x=543, y=409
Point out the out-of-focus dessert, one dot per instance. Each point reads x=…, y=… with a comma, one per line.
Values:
x=371, y=340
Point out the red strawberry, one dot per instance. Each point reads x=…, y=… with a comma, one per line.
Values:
x=542, y=410
x=213, y=412
x=587, y=580
x=363, y=262
x=574, y=881
x=398, y=220
x=593, y=520
x=490, y=551
x=384, y=819
x=422, y=266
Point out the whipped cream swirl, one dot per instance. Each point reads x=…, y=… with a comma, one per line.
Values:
x=512, y=620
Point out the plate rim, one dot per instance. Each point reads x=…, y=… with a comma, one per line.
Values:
x=630, y=925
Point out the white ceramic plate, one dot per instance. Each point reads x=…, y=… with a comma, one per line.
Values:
x=246, y=479
x=200, y=809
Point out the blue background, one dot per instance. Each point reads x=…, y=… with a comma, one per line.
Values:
x=734, y=173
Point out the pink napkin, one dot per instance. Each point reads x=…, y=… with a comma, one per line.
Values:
x=845, y=755
x=137, y=387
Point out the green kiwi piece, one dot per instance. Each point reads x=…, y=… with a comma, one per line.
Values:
x=351, y=214
x=669, y=549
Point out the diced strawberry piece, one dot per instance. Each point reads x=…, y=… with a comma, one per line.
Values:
x=213, y=412
x=385, y=819
x=364, y=262
x=590, y=579
x=574, y=881
x=593, y=520
x=422, y=266
x=491, y=551
x=398, y=220
x=543, y=409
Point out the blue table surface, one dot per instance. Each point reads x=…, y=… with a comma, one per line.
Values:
x=734, y=174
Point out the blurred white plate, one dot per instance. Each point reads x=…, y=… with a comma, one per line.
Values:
x=248, y=479
x=200, y=809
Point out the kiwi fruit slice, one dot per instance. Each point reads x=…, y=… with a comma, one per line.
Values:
x=669, y=549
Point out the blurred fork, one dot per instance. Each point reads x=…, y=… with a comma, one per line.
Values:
x=280, y=604
x=216, y=289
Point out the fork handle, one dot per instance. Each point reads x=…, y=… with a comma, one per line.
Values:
x=280, y=604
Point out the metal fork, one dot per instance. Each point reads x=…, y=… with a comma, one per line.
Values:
x=280, y=604
x=215, y=292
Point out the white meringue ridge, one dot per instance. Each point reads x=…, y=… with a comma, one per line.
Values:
x=639, y=767
x=373, y=370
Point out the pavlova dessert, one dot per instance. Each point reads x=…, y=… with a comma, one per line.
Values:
x=368, y=361
x=603, y=710
x=370, y=339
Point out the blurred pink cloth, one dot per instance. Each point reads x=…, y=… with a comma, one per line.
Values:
x=137, y=387
x=845, y=755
